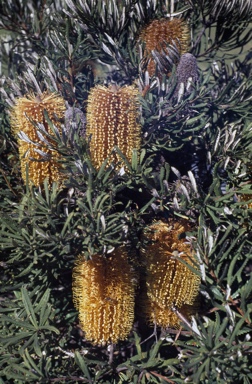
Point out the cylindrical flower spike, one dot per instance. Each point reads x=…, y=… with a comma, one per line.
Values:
x=103, y=294
x=112, y=120
x=158, y=33
x=170, y=282
x=30, y=109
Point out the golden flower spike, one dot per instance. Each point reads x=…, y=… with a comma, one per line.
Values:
x=160, y=32
x=112, y=120
x=246, y=197
x=30, y=109
x=104, y=293
x=170, y=283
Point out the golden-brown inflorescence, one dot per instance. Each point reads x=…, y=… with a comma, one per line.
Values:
x=30, y=109
x=245, y=198
x=160, y=32
x=112, y=120
x=170, y=282
x=104, y=294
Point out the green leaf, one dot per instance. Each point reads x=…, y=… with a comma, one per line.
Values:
x=154, y=351
x=67, y=225
x=28, y=307
x=30, y=363
x=80, y=360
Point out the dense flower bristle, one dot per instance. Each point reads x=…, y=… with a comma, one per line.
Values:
x=26, y=110
x=104, y=293
x=165, y=317
x=112, y=120
x=158, y=33
x=170, y=283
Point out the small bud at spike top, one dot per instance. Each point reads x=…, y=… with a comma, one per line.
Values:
x=187, y=74
x=170, y=283
x=30, y=109
x=158, y=33
x=75, y=120
x=104, y=293
x=112, y=120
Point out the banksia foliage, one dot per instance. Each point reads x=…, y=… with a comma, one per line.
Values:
x=170, y=283
x=104, y=293
x=27, y=111
x=159, y=33
x=112, y=120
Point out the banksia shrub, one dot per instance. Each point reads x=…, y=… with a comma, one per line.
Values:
x=28, y=111
x=193, y=163
x=170, y=282
x=112, y=120
x=159, y=33
x=103, y=294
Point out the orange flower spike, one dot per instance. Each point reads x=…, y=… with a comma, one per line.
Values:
x=158, y=33
x=104, y=293
x=112, y=120
x=26, y=110
x=169, y=281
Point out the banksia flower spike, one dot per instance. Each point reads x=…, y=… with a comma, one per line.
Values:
x=170, y=283
x=245, y=198
x=112, y=120
x=30, y=109
x=159, y=33
x=104, y=293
